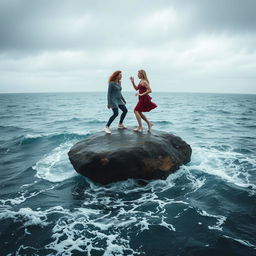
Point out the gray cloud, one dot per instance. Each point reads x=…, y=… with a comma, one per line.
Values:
x=181, y=43
x=55, y=25
x=225, y=15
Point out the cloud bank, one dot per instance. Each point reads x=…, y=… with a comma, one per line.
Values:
x=186, y=46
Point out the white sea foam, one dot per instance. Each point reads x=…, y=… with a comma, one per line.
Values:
x=244, y=242
x=220, y=219
x=81, y=230
x=55, y=166
x=227, y=165
x=29, y=185
x=143, y=224
x=27, y=216
x=82, y=132
x=89, y=230
x=23, y=196
x=195, y=182
x=167, y=225
x=67, y=233
x=107, y=230
x=34, y=136
x=42, y=135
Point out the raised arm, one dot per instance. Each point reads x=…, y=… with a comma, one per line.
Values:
x=134, y=85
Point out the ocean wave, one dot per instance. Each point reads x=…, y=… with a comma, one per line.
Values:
x=162, y=122
x=225, y=163
x=225, y=112
x=73, y=215
x=109, y=214
x=107, y=229
x=25, y=215
x=95, y=121
x=11, y=135
x=73, y=120
x=252, y=126
x=7, y=117
x=11, y=128
x=220, y=219
x=241, y=241
x=84, y=230
x=33, y=137
x=244, y=118
x=83, y=120
x=55, y=166
x=12, y=106
x=157, y=186
x=23, y=195
x=122, y=207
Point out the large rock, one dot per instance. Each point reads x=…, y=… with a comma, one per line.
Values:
x=126, y=154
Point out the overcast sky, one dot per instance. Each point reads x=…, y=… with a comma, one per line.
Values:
x=184, y=45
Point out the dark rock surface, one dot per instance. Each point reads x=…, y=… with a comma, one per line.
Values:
x=126, y=154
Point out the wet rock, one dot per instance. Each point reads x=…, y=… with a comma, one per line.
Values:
x=126, y=154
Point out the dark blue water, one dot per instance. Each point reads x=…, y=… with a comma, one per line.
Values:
x=208, y=207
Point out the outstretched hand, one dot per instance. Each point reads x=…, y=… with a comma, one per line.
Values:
x=132, y=79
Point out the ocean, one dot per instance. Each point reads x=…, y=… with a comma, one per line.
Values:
x=207, y=207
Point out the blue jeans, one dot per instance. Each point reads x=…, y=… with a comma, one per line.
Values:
x=115, y=114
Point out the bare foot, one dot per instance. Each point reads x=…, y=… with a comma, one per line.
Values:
x=138, y=129
x=150, y=126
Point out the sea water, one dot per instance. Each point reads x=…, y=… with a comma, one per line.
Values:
x=207, y=207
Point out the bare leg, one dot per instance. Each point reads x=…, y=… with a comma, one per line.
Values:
x=138, y=117
x=150, y=124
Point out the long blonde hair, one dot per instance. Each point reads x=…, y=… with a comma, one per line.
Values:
x=144, y=74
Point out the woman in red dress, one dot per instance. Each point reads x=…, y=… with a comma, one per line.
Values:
x=145, y=104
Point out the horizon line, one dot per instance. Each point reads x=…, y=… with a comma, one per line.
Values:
x=31, y=92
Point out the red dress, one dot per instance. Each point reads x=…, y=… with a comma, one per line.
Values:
x=145, y=104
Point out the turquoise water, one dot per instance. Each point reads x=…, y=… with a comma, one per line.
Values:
x=206, y=207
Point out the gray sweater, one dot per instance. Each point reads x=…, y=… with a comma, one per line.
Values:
x=115, y=97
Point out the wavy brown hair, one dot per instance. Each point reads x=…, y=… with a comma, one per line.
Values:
x=113, y=77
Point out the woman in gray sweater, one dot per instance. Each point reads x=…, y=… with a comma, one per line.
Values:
x=115, y=100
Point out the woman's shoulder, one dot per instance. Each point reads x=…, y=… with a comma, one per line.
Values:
x=144, y=83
